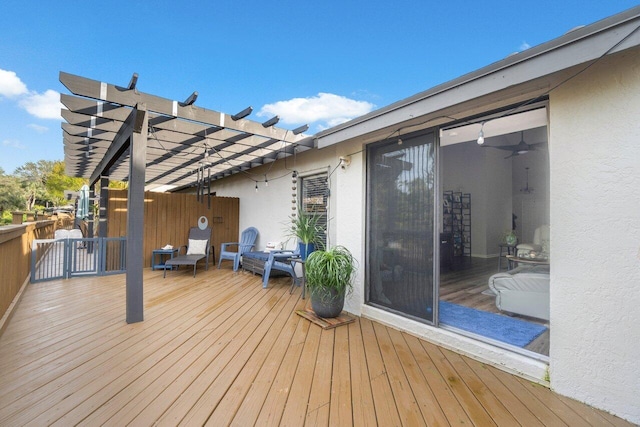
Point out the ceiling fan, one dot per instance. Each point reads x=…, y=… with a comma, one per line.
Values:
x=517, y=149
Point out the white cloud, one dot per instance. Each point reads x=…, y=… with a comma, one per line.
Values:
x=324, y=110
x=13, y=143
x=38, y=128
x=11, y=85
x=524, y=46
x=44, y=106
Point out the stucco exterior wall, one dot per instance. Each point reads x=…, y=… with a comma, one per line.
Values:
x=349, y=216
x=269, y=208
x=595, y=236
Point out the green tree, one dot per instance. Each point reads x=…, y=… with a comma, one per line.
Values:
x=11, y=195
x=57, y=181
x=33, y=178
x=119, y=184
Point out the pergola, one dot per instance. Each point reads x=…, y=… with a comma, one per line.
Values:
x=100, y=118
x=119, y=133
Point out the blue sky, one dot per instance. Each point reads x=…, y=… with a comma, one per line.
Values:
x=309, y=62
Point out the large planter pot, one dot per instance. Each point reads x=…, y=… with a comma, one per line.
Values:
x=306, y=249
x=327, y=303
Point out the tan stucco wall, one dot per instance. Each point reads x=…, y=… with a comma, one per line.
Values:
x=595, y=227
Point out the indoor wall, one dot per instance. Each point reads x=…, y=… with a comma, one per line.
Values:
x=495, y=185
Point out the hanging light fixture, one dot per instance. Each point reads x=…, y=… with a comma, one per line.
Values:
x=203, y=179
x=481, y=134
x=526, y=189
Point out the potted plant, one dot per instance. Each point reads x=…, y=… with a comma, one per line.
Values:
x=510, y=238
x=306, y=228
x=329, y=275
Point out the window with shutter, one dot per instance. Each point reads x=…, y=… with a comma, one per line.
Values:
x=314, y=198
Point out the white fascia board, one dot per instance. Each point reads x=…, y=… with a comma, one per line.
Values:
x=579, y=47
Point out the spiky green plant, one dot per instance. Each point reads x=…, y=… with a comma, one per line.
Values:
x=334, y=269
x=305, y=227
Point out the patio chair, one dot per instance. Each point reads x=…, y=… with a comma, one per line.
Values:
x=246, y=243
x=197, y=249
x=269, y=263
x=278, y=261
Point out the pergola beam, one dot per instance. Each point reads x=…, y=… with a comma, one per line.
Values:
x=118, y=146
x=90, y=122
x=98, y=125
x=83, y=86
x=94, y=108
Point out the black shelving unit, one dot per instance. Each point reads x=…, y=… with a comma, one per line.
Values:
x=456, y=217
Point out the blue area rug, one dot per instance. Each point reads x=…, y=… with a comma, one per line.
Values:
x=495, y=326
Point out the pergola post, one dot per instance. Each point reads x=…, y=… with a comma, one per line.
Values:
x=135, y=215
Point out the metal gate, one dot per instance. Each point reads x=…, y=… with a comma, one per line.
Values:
x=70, y=257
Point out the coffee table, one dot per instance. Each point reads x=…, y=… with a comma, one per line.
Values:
x=511, y=259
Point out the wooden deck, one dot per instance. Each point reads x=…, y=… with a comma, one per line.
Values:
x=218, y=349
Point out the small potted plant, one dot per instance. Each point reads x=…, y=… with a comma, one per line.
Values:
x=329, y=277
x=510, y=238
x=306, y=228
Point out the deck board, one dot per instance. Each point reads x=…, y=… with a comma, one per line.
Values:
x=218, y=349
x=426, y=400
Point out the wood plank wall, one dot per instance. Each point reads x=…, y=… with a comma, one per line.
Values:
x=168, y=217
x=15, y=257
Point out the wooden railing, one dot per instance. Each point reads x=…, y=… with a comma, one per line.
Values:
x=15, y=258
x=167, y=219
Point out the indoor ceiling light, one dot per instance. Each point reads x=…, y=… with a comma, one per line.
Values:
x=481, y=134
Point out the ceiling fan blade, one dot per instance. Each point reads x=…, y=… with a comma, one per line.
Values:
x=513, y=154
x=503, y=147
x=537, y=144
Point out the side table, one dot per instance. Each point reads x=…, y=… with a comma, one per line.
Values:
x=303, y=279
x=512, y=259
x=509, y=249
x=161, y=254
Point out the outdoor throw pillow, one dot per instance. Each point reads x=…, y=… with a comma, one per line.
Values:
x=197, y=247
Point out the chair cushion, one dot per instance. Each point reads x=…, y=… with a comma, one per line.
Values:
x=263, y=256
x=197, y=247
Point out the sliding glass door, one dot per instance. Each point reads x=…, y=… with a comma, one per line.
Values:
x=401, y=191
